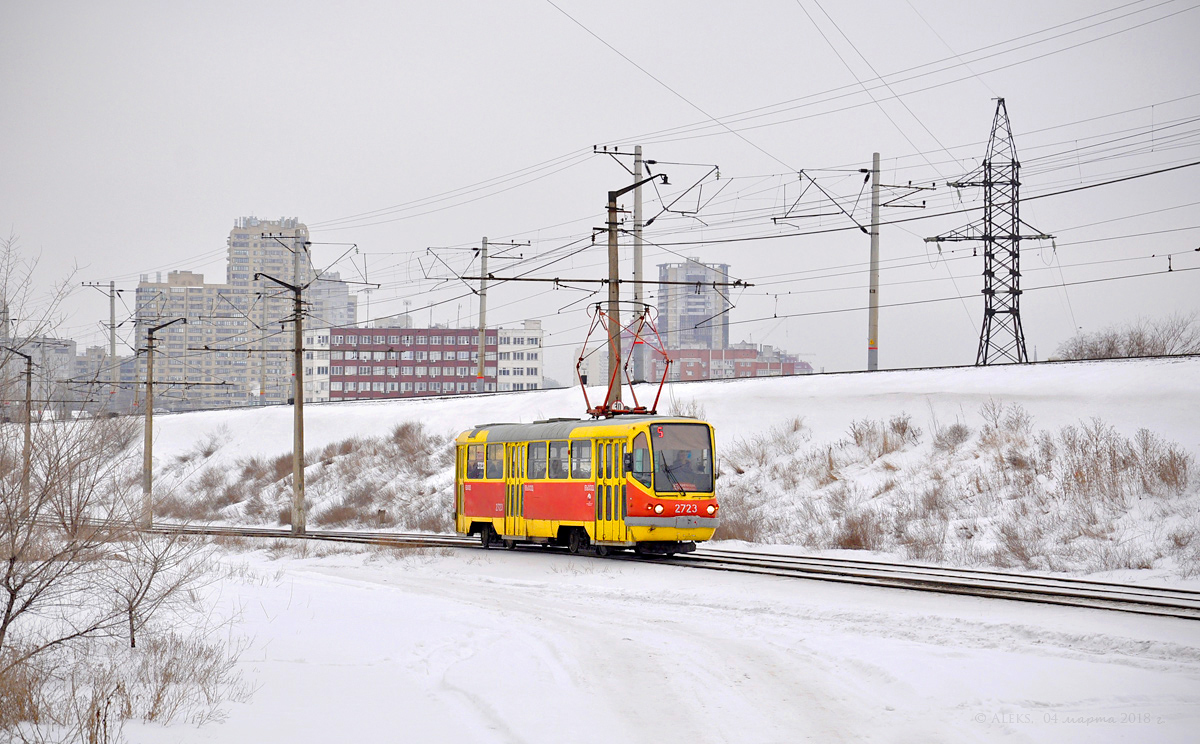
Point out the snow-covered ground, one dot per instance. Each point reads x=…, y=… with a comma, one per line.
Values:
x=535, y=646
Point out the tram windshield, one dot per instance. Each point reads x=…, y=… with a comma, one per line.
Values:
x=683, y=460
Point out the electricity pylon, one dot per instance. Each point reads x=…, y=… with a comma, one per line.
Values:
x=1002, y=338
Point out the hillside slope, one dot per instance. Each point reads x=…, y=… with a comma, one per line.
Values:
x=1079, y=467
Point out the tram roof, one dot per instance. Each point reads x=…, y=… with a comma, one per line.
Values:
x=563, y=428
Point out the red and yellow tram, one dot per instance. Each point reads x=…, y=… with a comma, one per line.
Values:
x=644, y=482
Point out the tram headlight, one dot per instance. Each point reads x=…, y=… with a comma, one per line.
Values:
x=712, y=509
x=658, y=508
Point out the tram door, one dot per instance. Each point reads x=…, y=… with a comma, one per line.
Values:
x=514, y=491
x=610, y=490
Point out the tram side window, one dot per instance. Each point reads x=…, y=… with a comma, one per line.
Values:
x=495, y=461
x=537, y=460
x=475, y=461
x=560, y=459
x=642, y=466
x=581, y=459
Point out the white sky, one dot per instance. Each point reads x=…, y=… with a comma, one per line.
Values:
x=133, y=134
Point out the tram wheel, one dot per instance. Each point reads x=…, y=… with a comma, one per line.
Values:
x=485, y=536
x=510, y=544
x=574, y=542
x=602, y=550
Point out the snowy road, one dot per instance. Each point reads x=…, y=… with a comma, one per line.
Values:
x=527, y=647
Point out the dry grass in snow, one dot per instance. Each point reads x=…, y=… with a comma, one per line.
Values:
x=1083, y=498
x=403, y=481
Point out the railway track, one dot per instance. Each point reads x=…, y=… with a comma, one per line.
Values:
x=1145, y=600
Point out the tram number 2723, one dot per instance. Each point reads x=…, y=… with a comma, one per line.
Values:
x=687, y=509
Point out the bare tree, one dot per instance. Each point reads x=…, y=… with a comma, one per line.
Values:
x=77, y=580
x=1174, y=334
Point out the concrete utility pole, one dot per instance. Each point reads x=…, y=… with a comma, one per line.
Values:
x=873, y=312
x=483, y=277
x=27, y=448
x=639, y=357
x=614, y=293
x=298, y=510
x=147, y=518
x=114, y=369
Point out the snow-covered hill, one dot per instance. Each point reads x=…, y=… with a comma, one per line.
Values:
x=1037, y=466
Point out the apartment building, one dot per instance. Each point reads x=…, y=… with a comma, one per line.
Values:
x=367, y=363
x=519, y=364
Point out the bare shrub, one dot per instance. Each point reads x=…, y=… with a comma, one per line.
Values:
x=876, y=438
x=860, y=530
x=281, y=467
x=690, y=408
x=924, y=540
x=253, y=469
x=952, y=437
x=337, y=514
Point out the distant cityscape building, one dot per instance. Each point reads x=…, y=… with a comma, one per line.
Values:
x=316, y=365
x=236, y=346
x=695, y=316
x=520, y=362
x=738, y=360
x=53, y=366
x=366, y=363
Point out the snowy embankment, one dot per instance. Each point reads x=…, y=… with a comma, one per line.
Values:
x=1041, y=467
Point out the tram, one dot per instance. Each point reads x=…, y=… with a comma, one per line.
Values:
x=642, y=482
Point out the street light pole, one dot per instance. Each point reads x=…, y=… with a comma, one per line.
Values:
x=147, y=516
x=298, y=511
x=27, y=448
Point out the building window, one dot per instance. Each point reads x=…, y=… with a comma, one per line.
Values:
x=392, y=387
x=435, y=340
x=378, y=370
x=406, y=356
x=421, y=371
x=532, y=341
x=377, y=387
x=422, y=340
x=351, y=387
x=435, y=356
x=352, y=340
x=335, y=387
x=379, y=339
x=531, y=371
x=421, y=387
x=406, y=340
x=336, y=371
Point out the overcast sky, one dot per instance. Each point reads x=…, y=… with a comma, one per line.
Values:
x=133, y=134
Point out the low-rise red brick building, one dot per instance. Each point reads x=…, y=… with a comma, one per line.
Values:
x=367, y=363
x=739, y=360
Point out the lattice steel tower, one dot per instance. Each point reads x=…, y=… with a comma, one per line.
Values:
x=1002, y=338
